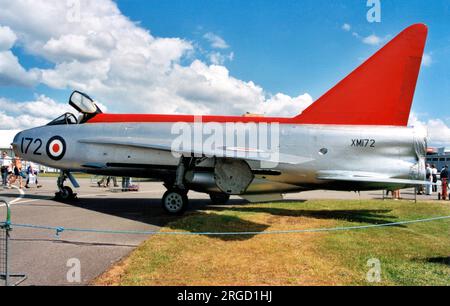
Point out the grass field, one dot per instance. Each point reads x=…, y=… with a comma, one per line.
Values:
x=77, y=175
x=415, y=254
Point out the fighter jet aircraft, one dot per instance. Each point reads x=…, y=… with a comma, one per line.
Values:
x=354, y=138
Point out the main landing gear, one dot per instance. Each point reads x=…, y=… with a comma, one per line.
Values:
x=66, y=193
x=175, y=201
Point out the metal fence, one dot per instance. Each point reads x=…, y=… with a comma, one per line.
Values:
x=4, y=244
x=6, y=278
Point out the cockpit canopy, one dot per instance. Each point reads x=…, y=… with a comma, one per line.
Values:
x=84, y=105
x=65, y=119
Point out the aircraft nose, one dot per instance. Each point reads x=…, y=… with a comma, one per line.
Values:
x=16, y=143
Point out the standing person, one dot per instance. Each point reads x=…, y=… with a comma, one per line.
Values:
x=112, y=178
x=32, y=171
x=1, y=166
x=444, y=179
x=101, y=183
x=434, y=173
x=126, y=182
x=429, y=178
x=17, y=175
x=6, y=168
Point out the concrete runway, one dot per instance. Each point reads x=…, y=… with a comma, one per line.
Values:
x=43, y=257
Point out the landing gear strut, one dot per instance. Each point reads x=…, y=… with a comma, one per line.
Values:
x=175, y=201
x=65, y=193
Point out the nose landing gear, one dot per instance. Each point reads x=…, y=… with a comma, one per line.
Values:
x=66, y=193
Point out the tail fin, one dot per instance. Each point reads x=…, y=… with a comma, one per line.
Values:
x=380, y=91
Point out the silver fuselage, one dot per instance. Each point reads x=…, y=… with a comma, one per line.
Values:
x=395, y=152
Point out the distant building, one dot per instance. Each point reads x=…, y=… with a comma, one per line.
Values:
x=439, y=157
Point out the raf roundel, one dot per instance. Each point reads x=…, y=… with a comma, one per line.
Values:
x=56, y=148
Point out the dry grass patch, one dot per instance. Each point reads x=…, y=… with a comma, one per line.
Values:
x=335, y=258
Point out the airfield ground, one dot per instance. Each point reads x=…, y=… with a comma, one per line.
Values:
x=409, y=255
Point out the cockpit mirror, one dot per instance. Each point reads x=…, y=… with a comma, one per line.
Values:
x=83, y=103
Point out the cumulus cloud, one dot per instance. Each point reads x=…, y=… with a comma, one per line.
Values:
x=7, y=38
x=11, y=71
x=438, y=130
x=285, y=106
x=23, y=115
x=216, y=41
x=13, y=74
x=124, y=66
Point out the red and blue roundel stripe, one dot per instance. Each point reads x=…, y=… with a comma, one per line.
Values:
x=56, y=148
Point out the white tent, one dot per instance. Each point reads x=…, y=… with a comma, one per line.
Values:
x=6, y=138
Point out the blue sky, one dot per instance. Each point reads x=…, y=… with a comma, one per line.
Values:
x=299, y=46
x=287, y=46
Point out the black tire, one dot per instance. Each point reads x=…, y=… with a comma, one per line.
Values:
x=175, y=202
x=219, y=198
x=66, y=194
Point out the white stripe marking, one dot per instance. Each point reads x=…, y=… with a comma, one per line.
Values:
x=20, y=197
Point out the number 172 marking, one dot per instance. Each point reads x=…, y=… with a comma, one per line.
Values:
x=26, y=144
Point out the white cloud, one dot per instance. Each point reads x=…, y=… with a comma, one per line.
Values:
x=7, y=38
x=427, y=60
x=216, y=41
x=438, y=130
x=346, y=27
x=217, y=58
x=13, y=74
x=285, y=106
x=11, y=71
x=372, y=40
x=19, y=122
x=23, y=115
x=69, y=47
x=125, y=67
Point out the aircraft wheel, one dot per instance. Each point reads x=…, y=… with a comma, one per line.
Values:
x=219, y=198
x=66, y=194
x=175, y=202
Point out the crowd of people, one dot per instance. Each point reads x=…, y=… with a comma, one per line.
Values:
x=127, y=184
x=14, y=170
x=432, y=177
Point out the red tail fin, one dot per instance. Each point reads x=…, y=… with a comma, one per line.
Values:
x=380, y=91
